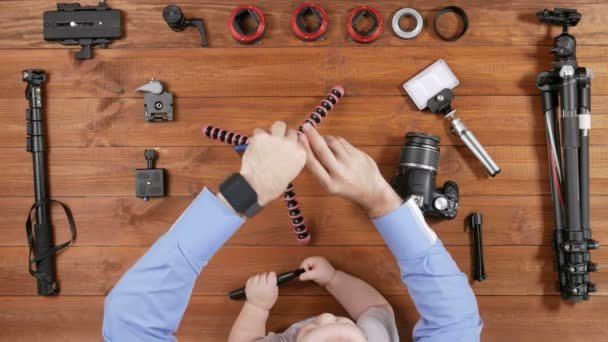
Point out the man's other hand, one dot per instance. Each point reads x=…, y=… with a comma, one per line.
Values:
x=272, y=160
x=349, y=172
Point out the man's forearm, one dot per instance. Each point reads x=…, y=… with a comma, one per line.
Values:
x=250, y=325
x=441, y=293
x=149, y=301
x=355, y=295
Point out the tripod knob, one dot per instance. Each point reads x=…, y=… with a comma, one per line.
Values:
x=593, y=244
x=591, y=287
x=150, y=156
x=592, y=267
x=174, y=17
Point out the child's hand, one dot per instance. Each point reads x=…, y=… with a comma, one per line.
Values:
x=317, y=269
x=262, y=290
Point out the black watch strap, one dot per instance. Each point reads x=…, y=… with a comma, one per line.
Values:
x=241, y=196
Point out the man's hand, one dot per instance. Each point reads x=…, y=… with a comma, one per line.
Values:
x=262, y=290
x=272, y=160
x=347, y=171
x=318, y=269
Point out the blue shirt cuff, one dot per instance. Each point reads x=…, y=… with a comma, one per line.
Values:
x=406, y=232
x=204, y=227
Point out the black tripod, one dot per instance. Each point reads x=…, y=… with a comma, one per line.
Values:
x=568, y=149
x=40, y=238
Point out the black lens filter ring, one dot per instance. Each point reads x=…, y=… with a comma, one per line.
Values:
x=238, y=32
x=301, y=30
x=370, y=35
x=459, y=12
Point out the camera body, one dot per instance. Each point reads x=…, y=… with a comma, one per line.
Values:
x=416, y=177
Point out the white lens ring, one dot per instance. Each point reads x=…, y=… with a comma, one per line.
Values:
x=407, y=12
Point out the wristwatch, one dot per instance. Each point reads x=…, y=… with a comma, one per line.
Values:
x=240, y=195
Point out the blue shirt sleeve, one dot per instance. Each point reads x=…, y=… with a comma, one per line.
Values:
x=149, y=301
x=442, y=295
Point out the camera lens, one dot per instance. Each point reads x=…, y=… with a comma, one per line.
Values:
x=420, y=151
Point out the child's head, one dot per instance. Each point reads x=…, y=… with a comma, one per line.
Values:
x=329, y=328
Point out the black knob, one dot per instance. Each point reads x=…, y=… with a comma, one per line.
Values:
x=174, y=17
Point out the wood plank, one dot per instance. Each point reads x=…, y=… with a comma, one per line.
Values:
x=491, y=23
x=304, y=71
x=522, y=319
x=93, y=271
x=508, y=220
x=109, y=171
x=496, y=120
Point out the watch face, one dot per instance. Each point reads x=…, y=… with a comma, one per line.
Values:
x=241, y=196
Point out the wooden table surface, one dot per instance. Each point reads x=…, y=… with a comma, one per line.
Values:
x=97, y=135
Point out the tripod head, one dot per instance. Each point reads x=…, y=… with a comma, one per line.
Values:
x=564, y=45
x=560, y=16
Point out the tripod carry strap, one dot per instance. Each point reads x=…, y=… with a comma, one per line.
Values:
x=31, y=236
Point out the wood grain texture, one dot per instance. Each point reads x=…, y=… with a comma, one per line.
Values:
x=494, y=23
x=97, y=135
x=303, y=71
x=514, y=271
x=377, y=121
x=508, y=220
x=78, y=172
x=529, y=319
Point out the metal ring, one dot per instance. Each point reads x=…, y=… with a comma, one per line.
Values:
x=407, y=12
x=373, y=33
x=236, y=31
x=419, y=166
x=458, y=11
x=301, y=31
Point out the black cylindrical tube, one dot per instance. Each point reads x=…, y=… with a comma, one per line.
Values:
x=584, y=110
x=42, y=229
x=281, y=278
x=570, y=141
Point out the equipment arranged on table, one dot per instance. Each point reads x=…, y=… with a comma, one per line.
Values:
x=240, y=142
x=569, y=85
x=238, y=21
x=411, y=13
x=432, y=89
x=416, y=177
x=566, y=84
x=373, y=32
x=150, y=182
x=158, y=104
x=479, y=270
x=302, y=29
x=87, y=26
x=174, y=17
x=281, y=279
x=460, y=13
x=40, y=238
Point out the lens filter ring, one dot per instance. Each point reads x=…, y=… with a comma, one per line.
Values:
x=407, y=12
x=238, y=32
x=300, y=29
x=459, y=12
x=371, y=34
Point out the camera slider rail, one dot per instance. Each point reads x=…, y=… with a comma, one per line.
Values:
x=87, y=26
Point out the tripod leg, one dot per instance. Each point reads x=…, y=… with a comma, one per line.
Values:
x=584, y=119
x=550, y=100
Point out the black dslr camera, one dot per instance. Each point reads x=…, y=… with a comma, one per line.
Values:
x=416, y=177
